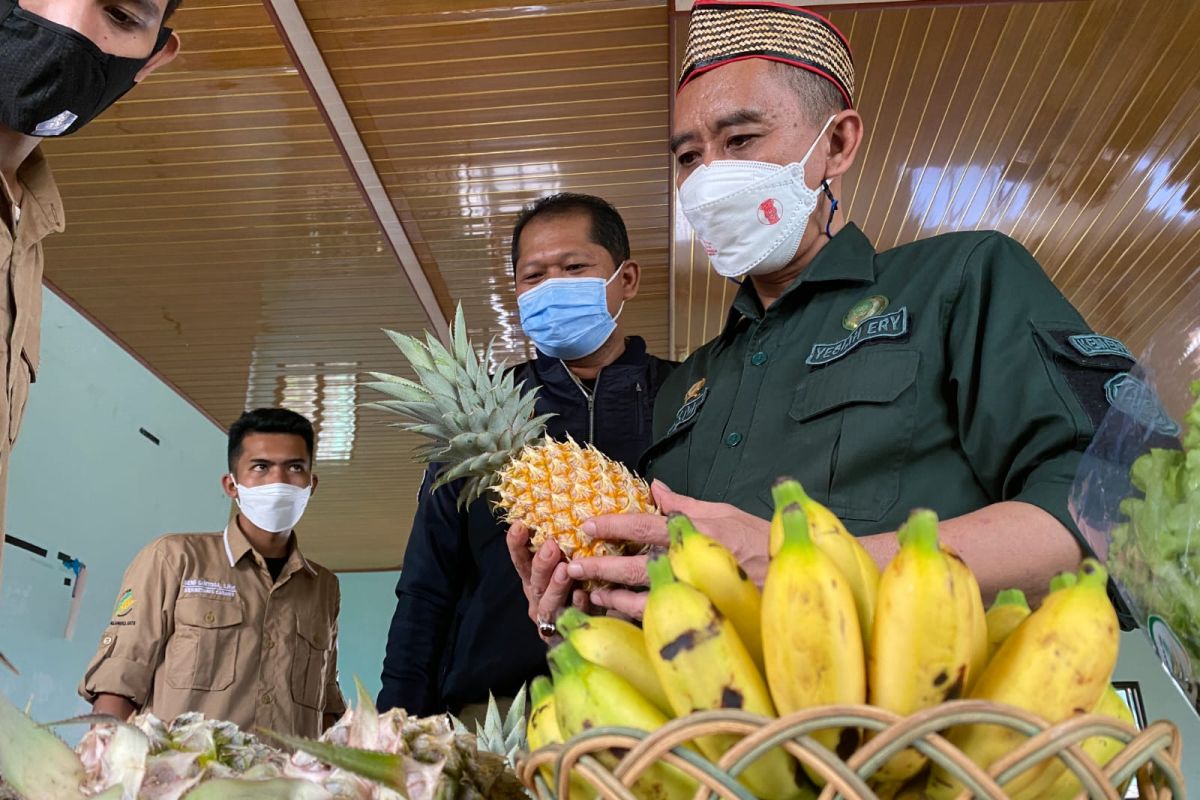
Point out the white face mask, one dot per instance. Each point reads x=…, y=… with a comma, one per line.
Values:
x=275, y=507
x=750, y=215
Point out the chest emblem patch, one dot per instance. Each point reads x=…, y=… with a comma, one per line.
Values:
x=689, y=408
x=124, y=604
x=893, y=325
x=209, y=588
x=864, y=309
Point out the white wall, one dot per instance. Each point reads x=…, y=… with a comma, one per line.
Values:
x=368, y=601
x=84, y=481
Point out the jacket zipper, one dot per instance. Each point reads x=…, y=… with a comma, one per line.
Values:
x=590, y=397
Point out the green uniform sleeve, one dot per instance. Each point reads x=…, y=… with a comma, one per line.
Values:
x=143, y=619
x=1027, y=402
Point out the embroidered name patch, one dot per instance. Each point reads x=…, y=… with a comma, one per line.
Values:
x=1135, y=399
x=688, y=410
x=892, y=325
x=1093, y=344
x=211, y=588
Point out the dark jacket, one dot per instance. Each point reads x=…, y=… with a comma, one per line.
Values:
x=461, y=626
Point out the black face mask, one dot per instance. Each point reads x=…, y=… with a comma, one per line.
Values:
x=54, y=80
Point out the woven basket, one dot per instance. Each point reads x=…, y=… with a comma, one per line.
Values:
x=1153, y=754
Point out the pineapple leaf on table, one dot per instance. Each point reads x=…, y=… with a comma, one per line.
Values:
x=272, y=789
x=481, y=428
x=35, y=762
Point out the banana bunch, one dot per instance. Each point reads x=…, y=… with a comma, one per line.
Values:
x=828, y=627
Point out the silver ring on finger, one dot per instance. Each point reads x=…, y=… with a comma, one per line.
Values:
x=546, y=629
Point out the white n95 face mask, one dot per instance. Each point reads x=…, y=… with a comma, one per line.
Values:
x=750, y=215
x=275, y=507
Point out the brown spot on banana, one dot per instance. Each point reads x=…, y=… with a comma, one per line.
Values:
x=689, y=639
x=732, y=698
x=941, y=678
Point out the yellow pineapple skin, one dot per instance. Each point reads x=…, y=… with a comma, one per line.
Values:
x=552, y=487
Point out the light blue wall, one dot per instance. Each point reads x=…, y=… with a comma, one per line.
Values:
x=368, y=600
x=84, y=481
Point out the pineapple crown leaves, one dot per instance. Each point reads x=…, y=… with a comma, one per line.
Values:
x=33, y=760
x=472, y=420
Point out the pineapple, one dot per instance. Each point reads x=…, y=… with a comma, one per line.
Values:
x=481, y=427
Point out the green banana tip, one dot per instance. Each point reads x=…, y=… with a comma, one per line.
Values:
x=659, y=571
x=564, y=659
x=1011, y=597
x=541, y=688
x=569, y=619
x=795, y=526
x=921, y=530
x=679, y=526
x=1063, y=580
x=1092, y=572
x=787, y=490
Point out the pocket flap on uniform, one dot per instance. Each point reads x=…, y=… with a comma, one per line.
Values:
x=313, y=632
x=205, y=613
x=872, y=376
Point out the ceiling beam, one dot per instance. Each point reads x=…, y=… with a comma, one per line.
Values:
x=306, y=55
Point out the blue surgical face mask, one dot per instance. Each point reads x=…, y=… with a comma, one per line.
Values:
x=568, y=318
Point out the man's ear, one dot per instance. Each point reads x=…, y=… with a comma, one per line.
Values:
x=314, y=484
x=631, y=279
x=848, y=133
x=228, y=485
x=160, y=59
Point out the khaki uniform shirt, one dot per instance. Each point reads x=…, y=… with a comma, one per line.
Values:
x=198, y=626
x=40, y=214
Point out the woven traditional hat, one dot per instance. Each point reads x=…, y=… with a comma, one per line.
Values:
x=722, y=31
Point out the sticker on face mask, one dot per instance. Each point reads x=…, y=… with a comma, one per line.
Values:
x=56, y=125
x=884, y=326
x=209, y=588
x=688, y=410
x=1136, y=400
x=1093, y=344
x=770, y=211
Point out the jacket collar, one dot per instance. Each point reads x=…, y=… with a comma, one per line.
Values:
x=41, y=207
x=554, y=372
x=849, y=257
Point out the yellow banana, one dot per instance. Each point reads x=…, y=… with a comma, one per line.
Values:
x=926, y=634
x=1100, y=749
x=705, y=564
x=703, y=665
x=617, y=645
x=829, y=534
x=1008, y=610
x=542, y=730
x=813, y=646
x=1054, y=664
x=587, y=695
x=972, y=598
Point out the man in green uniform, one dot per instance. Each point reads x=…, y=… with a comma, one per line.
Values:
x=948, y=373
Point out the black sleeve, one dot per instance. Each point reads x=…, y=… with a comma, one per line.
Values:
x=426, y=598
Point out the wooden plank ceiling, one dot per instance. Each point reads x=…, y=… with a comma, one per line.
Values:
x=1071, y=126
x=214, y=228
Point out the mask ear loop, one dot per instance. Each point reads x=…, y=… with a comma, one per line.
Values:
x=832, y=208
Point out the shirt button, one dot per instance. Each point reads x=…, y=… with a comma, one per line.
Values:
x=758, y=359
x=210, y=618
x=107, y=640
x=733, y=439
x=266, y=699
x=269, y=643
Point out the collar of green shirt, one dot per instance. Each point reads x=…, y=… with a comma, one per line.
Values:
x=237, y=546
x=848, y=257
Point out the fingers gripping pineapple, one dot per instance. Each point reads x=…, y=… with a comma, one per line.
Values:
x=481, y=427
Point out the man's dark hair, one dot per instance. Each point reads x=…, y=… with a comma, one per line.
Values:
x=171, y=6
x=267, y=420
x=819, y=97
x=608, y=229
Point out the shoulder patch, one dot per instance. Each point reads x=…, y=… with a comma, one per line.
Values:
x=1093, y=344
x=124, y=604
x=1132, y=397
